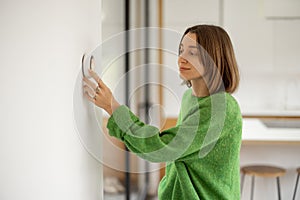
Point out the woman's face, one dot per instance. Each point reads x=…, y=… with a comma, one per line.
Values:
x=189, y=64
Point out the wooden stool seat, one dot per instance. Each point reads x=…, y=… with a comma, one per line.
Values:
x=298, y=170
x=262, y=171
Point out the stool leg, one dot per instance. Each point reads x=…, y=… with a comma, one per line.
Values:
x=296, y=186
x=242, y=183
x=252, y=187
x=278, y=187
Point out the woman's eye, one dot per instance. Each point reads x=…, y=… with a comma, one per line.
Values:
x=192, y=53
x=180, y=51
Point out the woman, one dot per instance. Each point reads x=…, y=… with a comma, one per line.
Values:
x=202, y=150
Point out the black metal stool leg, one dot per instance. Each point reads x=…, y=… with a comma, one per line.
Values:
x=278, y=187
x=252, y=187
x=296, y=186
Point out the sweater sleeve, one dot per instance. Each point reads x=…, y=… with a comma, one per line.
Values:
x=144, y=140
x=155, y=146
x=199, y=130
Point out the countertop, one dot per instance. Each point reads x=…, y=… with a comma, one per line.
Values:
x=255, y=130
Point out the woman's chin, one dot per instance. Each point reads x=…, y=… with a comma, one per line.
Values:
x=183, y=78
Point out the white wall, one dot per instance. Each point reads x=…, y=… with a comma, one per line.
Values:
x=267, y=51
x=41, y=47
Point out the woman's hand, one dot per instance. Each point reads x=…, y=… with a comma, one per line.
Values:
x=99, y=93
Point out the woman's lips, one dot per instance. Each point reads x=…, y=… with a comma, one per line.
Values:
x=184, y=68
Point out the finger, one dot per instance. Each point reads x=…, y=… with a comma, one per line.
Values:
x=91, y=99
x=90, y=83
x=101, y=83
x=97, y=90
x=94, y=75
x=97, y=79
x=89, y=90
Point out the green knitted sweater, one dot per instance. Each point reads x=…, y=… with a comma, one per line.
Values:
x=201, y=151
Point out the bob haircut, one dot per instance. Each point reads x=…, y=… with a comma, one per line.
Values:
x=217, y=57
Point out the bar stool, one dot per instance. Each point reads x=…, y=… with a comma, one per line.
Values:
x=262, y=171
x=295, y=191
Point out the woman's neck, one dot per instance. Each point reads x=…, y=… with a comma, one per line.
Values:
x=199, y=88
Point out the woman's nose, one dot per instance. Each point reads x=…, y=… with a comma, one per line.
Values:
x=181, y=59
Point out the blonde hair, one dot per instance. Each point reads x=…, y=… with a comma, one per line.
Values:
x=218, y=58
